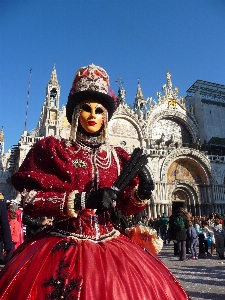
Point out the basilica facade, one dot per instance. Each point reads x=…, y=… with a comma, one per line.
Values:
x=183, y=138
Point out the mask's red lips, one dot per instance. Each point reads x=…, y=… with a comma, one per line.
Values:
x=92, y=123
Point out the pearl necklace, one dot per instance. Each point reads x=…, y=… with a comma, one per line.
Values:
x=97, y=161
x=95, y=157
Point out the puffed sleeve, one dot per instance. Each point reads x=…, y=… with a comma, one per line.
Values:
x=44, y=178
x=127, y=202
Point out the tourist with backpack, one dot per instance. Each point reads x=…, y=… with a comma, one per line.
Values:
x=179, y=229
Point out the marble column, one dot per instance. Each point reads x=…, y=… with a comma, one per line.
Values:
x=154, y=211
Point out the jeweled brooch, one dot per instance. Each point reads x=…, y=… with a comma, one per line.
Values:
x=78, y=163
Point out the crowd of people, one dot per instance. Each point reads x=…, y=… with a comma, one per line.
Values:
x=193, y=236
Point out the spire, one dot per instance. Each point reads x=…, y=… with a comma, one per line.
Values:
x=53, y=89
x=48, y=123
x=139, y=93
x=2, y=135
x=139, y=103
x=53, y=79
x=121, y=90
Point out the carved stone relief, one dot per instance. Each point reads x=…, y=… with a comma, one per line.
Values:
x=179, y=195
x=123, y=128
x=122, y=132
x=187, y=125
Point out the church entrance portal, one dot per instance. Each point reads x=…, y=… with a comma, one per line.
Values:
x=186, y=175
x=180, y=198
x=176, y=205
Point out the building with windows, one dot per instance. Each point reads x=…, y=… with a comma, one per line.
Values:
x=183, y=137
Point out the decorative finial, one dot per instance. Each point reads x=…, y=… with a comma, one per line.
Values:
x=121, y=90
x=119, y=82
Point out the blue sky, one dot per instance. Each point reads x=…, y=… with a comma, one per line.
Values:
x=128, y=38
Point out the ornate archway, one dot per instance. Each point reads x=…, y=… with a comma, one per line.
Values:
x=195, y=157
x=186, y=177
x=179, y=199
x=186, y=196
x=178, y=121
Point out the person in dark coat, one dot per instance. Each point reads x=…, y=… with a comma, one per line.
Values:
x=171, y=235
x=180, y=234
x=156, y=224
x=164, y=221
x=5, y=234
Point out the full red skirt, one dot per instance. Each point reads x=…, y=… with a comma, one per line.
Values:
x=50, y=267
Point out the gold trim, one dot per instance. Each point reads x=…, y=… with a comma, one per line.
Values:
x=70, y=205
x=80, y=237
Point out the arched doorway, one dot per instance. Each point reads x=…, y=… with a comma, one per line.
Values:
x=179, y=199
x=185, y=196
x=185, y=177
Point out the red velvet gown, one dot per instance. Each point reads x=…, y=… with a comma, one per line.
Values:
x=85, y=257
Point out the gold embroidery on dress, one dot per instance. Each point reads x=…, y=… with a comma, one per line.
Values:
x=78, y=163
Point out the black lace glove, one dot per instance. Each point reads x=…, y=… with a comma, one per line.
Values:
x=146, y=185
x=101, y=199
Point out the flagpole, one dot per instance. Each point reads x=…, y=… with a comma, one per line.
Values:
x=28, y=97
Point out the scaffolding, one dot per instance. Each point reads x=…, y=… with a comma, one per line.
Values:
x=208, y=90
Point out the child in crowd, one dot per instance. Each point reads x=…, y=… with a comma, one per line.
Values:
x=193, y=237
x=197, y=225
x=211, y=223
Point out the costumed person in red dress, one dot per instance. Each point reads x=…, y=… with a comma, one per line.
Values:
x=19, y=213
x=83, y=256
x=14, y=207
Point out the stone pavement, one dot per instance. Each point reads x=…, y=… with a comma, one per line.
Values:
x=201, y=279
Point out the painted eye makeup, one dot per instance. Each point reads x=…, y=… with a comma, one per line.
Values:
x=86, y=108
x=99, y=111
